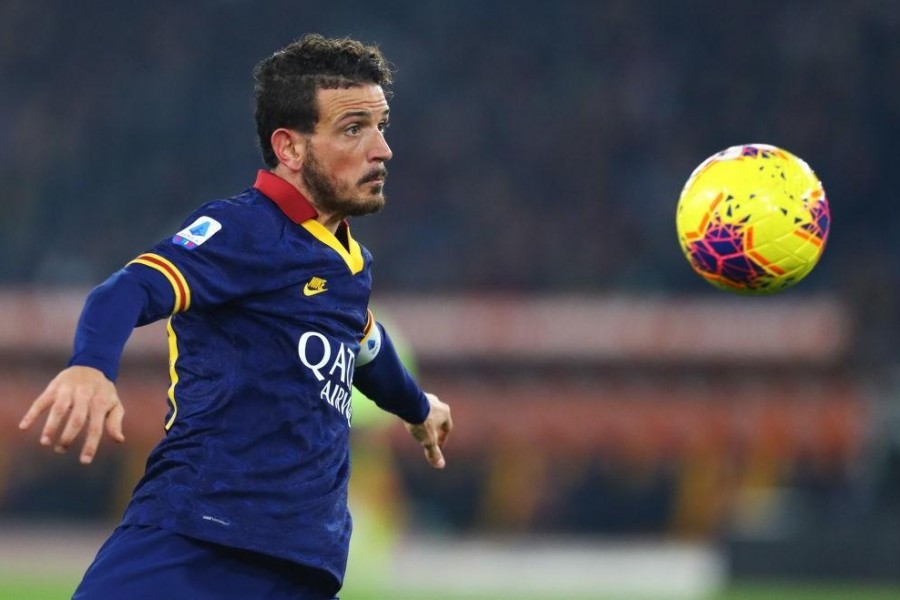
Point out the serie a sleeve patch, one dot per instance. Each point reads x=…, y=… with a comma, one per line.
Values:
x=370, y=345
x=197, y=233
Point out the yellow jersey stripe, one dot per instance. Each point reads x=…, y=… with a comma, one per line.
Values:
x=353, y=258
x=165, y=273
x=178, y=275
x=173, y=374
x=179, y=284
x=367, y=330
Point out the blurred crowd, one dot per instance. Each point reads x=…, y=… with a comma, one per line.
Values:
x=538, y=145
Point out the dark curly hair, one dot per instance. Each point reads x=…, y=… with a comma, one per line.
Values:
x=286, y=82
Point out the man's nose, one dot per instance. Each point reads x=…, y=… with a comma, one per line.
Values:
x=381, y=152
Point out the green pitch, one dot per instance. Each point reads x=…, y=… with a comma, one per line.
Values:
x=24, y=588
x=21, y=588
x=810, y=592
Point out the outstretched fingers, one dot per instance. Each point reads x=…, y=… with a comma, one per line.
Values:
x=78, y=418
x=433, y=432
x=433, y=453
x=114, y=422
x=56, y=416
x=42, y=403
x=444, y=430
x=78, y=399
x=102, y=416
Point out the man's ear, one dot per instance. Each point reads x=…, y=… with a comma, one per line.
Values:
x=290, y=147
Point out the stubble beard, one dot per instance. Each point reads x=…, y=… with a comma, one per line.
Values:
x=334, y=197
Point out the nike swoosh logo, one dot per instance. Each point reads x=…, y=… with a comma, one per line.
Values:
x=307, y=291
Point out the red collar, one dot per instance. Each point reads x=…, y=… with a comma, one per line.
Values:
x=286, y=196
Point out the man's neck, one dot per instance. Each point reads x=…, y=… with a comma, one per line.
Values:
x=329, y=221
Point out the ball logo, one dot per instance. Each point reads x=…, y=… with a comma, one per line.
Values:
x=332, y=363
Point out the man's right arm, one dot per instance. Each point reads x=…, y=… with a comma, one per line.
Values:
x=84, y=393
x=131, y=297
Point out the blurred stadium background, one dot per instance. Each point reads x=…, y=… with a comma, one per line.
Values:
x=623, y=430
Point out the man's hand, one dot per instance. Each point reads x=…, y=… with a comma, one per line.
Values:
x=432, y=434
x=78, y=396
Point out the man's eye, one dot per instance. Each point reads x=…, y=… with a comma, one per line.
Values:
x=353, y=129
x=383, y=125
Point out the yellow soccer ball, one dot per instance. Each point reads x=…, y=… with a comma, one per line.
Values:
x=753, y=219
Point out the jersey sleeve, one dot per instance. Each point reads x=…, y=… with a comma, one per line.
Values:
x=219, y=254
x=381, y=376
x=111, y=311
x=215, y=257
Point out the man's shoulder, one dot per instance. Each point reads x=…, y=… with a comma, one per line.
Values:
x=249, y=204
x=248, y=214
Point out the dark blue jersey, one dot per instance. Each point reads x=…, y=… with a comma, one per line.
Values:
x=269, y=311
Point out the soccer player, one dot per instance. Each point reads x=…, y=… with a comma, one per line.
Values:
x=267, y=296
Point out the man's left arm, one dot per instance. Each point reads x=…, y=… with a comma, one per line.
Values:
x=381, y=376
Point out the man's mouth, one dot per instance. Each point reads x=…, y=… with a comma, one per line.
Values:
x=376, y=177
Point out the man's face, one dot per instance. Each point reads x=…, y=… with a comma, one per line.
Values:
x=344, y=164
